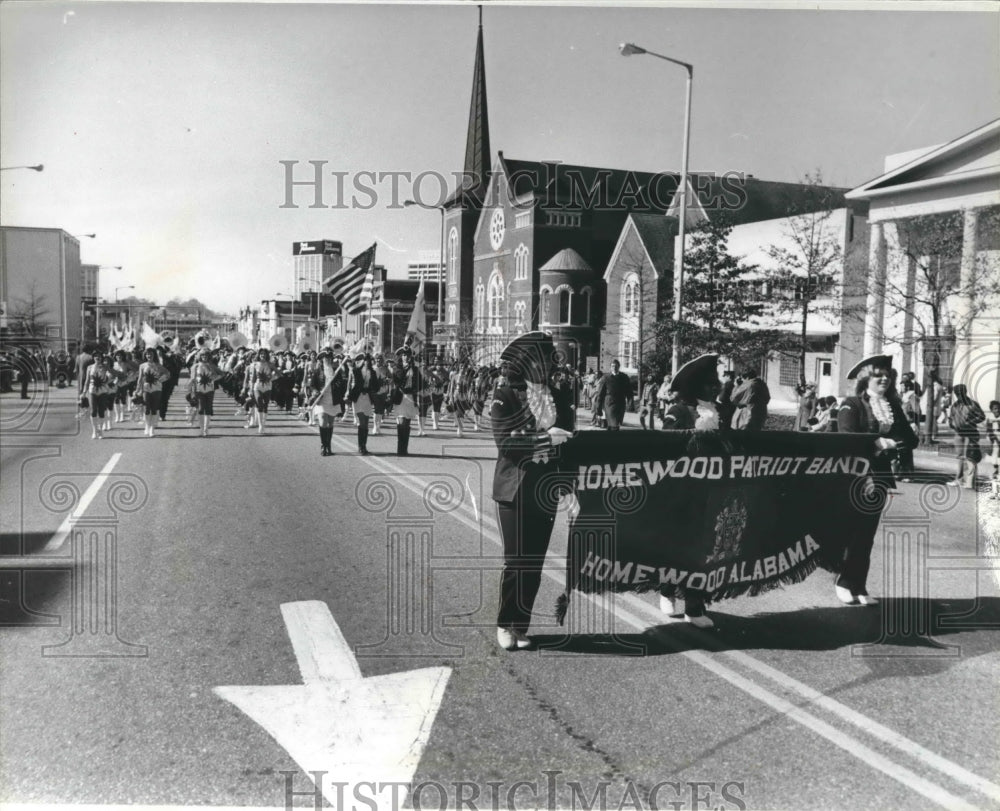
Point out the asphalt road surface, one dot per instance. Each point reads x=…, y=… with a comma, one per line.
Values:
x=158, y=593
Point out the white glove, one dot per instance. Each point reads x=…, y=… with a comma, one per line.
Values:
x=559, y=435
x=885, y=444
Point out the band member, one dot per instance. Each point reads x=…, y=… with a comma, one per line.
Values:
x=127, y=373
x=99, y=387
x=407, y=381
x=613, y=393
x=204, y=373
x=529, y=419
x=459, y=395
x=330, y=386
x=697, y=386
x=257, y=385
x=875, y=409
x=361, y=385
x=381, y=397
x=152, y=376
x=438, y=382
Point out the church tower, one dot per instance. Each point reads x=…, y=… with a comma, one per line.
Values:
x=463, y=207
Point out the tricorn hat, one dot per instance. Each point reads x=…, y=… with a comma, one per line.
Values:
x=530, y=355
x=884, y=361
x=693, y=373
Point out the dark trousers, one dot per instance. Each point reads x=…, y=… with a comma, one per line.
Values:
x=526, y=528
x=857, y=562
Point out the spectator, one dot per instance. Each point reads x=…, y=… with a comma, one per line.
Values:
x=965, y=415
x=613, y=394
x=807, y=405
x=648, y=402
x=993, y=437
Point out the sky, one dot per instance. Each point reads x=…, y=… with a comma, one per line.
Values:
x=162, y=126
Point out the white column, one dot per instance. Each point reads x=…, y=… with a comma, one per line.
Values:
x=964, y=304
x=875, y=304
x=908, y=337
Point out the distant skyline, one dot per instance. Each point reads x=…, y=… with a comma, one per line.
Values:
x=162, y=126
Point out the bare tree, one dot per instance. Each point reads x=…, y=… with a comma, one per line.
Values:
x=808, y=276
x=922, y=287
x=31, y=312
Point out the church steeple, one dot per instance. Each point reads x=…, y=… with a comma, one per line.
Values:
x=477, y=141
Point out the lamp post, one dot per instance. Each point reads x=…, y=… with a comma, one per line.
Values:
x=441, y=274
x=628, y=49
x=37, y=168
x=80, y=236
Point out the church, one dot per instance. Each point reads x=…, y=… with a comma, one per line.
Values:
x=545, y=245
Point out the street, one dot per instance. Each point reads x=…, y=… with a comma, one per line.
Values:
x=108, y=692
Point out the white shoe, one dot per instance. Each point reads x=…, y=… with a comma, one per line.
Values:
x=421, y=433
x=509, y=639
x=669, y=607
x=866, y=599
x=845, y=596
x=701, y=621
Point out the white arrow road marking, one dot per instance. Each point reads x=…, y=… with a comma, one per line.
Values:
x=352, y=728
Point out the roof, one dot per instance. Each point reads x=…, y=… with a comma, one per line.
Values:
x=980, y=144
x=566, y=261
x=657, y=234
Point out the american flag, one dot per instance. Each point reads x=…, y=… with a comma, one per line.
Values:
x=352, y=286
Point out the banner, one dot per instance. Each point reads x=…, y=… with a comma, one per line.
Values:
x=726, y=513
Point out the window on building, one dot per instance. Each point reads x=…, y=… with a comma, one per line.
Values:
x=585, y=308
x=630, y=295
x=564, y=306
x=522, y=219
x=452, y=314
x=630, y=354
x=496, y=301
x=788, y=371
x=563, y=219
x=544, y=301
x=480, y=304
x=521, y=262
x=520, y=311
x=453, y=256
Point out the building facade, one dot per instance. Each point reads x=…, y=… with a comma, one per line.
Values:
x=40, y=287
x=312, y=262
x=929, y=289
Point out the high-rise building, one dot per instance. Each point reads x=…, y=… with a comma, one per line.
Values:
x=426, y=268
x=312, y=262
x=90, y=276
x=40, y=281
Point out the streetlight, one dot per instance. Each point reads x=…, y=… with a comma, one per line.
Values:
x=123, y=287
x=37, y=168
x=628, y=49
x=441, y=274
x=89, y=236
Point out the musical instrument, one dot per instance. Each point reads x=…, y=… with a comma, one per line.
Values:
x=337, y=343
x=236, y=339
x=278, y=342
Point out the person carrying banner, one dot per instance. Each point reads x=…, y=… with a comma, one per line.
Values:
x=875, y=408
x=529, y=419
x=697, y=386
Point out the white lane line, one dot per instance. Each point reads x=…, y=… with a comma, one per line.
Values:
x=845, y=713
x=57, y=540
x=846, y=742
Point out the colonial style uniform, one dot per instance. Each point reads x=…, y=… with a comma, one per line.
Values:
x=408, y=383
x=883, y=416
x=362, y=385
x=526, y=482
